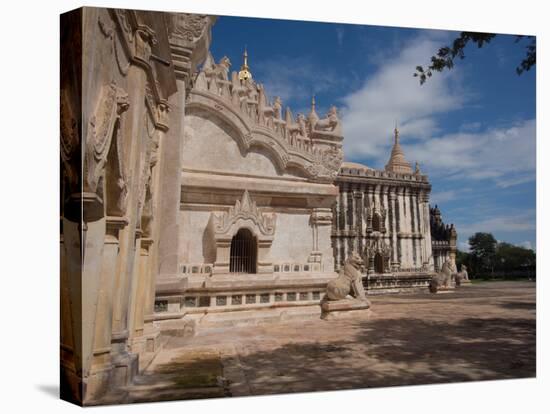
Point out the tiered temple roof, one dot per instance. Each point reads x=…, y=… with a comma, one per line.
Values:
x=397, y=162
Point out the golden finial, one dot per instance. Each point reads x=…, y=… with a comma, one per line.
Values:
x=244, y=73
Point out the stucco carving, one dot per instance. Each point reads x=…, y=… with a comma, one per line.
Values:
x=108, y=31
x=70, y=140
x=186, y=26
x=245, y=214
x=244, y=105
x=244, y=209
x=376, y=246
x=326, y=164
x=330, y=123
x=375, y=214
x=112, y=102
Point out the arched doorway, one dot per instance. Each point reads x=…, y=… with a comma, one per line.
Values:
x=378, y=263
x=243, y=252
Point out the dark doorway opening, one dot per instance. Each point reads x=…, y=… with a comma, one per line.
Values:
x=378, y=263
x=243, y=252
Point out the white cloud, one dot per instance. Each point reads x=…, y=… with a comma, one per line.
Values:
x=526, y=244
x=506, y=155
x=464, y=246
x=393, y=95
x=508, y=223
x=295, y=80
x=443, y=196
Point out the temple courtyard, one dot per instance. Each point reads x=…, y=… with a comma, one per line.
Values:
x=484, y=331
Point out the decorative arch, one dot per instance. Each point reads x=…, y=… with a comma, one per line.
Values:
x=377, y=222
x=243, y=252
x=318, y=165
x=376, y=217
x=245, y=215
x=377, y=256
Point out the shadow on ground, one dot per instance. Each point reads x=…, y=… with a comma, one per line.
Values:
x=401, y=352
x=489, y=333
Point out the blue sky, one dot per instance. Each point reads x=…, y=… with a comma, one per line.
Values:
x=471, y=129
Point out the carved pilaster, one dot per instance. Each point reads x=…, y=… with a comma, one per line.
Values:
x=113, y=101
x=319, y=217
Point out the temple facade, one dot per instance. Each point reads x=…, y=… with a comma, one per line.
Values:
x=124, y=79
x=443, y=239
x=384, y=216
x=257, y=190
x=190, y=198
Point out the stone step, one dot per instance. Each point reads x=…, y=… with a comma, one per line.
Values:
x=256, y=317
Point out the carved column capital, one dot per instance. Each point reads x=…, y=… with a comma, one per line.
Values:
x=113, y=225
x=321, y=216
x=190, y=37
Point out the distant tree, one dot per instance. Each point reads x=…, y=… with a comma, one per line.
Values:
x=462, y=258
x=509, y=258
x=445, y=56
x=483, y=250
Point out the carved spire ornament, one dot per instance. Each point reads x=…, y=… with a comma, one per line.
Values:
x=312, y=117
x=245, y=209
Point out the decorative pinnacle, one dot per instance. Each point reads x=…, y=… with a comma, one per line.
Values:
x=244, y=73
x=396, y=135
x=245, y=57
x=313, y=101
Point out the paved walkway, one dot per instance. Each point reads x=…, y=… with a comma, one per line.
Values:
x=484, y=331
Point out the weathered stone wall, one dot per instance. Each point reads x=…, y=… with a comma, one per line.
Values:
x=116, y=82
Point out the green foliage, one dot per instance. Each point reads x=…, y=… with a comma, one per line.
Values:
x=483, y=248
x=445, y=56
x=510, y=257
x=487, y=257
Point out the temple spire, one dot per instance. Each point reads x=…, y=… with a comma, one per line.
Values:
x=396, y=135
x=397, y=162
x=312, y=117
x=244, y=73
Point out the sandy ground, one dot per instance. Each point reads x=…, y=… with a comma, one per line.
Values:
x=484, y=331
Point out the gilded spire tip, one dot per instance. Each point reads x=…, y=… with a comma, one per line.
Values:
x=244, y=73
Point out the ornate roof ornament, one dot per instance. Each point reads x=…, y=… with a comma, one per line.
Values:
x=244, y=73
x=312, y=117
x=397, y=162
x=244, y=210
x=311, y=144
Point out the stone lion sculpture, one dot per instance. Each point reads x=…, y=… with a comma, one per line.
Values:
x=462, y=276
x=348, y=281
x=445, y=278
